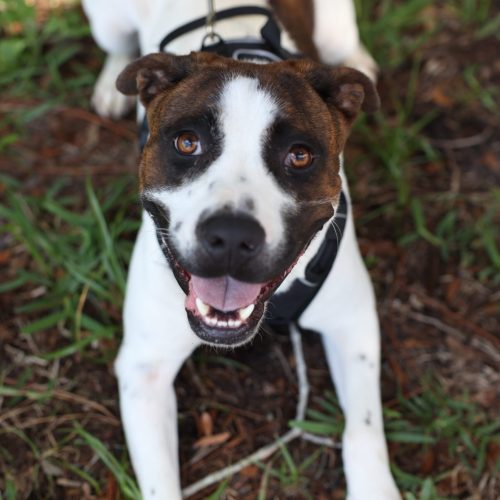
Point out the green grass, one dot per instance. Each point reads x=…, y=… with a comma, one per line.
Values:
x=290, y=475
x=398, y=139
x=79, y=237
x=430, y=419
x=87, y=250
x=49, y=53
x=128, y=486
x=47, y=62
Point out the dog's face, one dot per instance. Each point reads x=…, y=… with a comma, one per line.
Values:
x=240, y=171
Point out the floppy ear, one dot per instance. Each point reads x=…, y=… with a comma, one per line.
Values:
x=152, y=74
x=345, y=89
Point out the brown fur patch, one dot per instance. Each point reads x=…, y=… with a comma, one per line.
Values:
x=297, y=17
x=316, y=99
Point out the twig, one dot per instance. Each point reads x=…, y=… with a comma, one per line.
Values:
x=284, y=363
x=195, y=378
x=479, y=344
x=82, y=170
x=38, y=391
x=270, y=449
x=320, y=440
x=110, y=125
x=463, y=142
x=457, y=318
x=257, y=456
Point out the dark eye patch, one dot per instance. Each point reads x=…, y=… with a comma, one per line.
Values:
x=281, y=137
x=204, y=126
x=178, y=168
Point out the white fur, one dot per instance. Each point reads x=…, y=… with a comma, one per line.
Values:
x=157, y=335
x=156, y=341
x=337, y=39
x=238, y=175
x=352, y=345
x=105, y=98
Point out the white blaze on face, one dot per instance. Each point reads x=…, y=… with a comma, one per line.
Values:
x=239, y=177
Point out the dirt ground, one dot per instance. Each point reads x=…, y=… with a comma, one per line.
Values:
x=439, y=311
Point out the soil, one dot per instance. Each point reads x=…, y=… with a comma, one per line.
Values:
x=439, y=318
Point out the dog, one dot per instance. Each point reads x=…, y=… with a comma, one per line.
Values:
x=240, y=179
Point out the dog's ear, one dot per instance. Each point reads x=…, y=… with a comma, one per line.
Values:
x=152, y=74
x=345, y=89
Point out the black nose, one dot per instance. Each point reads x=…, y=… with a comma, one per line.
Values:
x=231, y=239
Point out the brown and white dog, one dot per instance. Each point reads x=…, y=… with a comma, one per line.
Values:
x=240, y=178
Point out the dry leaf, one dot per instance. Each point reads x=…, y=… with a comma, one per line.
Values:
x=212, y=440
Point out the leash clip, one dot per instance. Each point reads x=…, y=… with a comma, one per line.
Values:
x=210, y=23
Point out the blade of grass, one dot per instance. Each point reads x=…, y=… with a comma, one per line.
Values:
x=127, y=485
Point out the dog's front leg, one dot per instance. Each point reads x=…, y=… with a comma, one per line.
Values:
x=115, y=31
x=344, y=312
x=157, y=340
x=149, y=415
x=336, y=36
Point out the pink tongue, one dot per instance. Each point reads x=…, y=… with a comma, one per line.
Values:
x=225, y=293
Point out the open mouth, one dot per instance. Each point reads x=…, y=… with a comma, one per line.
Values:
x=224, y=311
x=222, y=302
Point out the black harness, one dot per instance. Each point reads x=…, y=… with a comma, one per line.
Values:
x=287, y=307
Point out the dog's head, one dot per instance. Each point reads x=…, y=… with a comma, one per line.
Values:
x=240, y=171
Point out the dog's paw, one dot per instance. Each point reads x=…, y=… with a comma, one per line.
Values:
x=106, y=99
x=362, y=60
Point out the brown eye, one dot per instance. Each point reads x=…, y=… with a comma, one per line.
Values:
x=299, y=157
x=188, y=143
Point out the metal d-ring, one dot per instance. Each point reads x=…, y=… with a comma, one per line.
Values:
x=213, y=38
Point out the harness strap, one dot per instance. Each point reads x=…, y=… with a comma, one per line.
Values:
x=288, y=306
x=221, y=15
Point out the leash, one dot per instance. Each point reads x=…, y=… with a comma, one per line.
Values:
x=210, y=20
x=284, y=309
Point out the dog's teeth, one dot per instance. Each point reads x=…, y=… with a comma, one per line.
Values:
x=237, y=323
x=203, y=308
x=222, y=324
x=212, y=321
x=245, y=312
x=231, y=323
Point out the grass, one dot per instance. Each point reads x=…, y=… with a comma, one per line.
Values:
x=290, y=475
x=88, y=252
x=430, y=420
x=73, y=242
x=127, y=485
x=43, y=58
x=398, y=140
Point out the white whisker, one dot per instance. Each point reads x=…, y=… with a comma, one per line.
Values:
x=337, y=231
x=313, y=203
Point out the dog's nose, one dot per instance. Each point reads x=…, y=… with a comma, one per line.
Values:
x=231, y=239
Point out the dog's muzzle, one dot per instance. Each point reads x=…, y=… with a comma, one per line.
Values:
x=223, y=306
x=226, y=288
